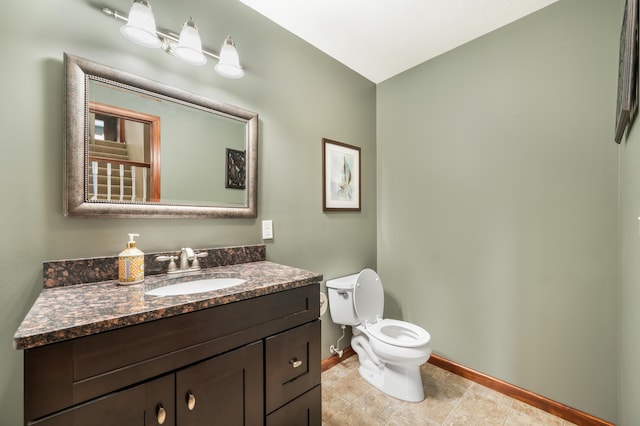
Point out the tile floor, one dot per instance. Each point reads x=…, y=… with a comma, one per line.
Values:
x=347, y=399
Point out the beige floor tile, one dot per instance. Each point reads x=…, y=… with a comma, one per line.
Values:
x=351, y=362
x=349, y=400
x=428, y=370
x=405, y=419
x=332, y=401
x=484, y=392
x=518, y=419
x=537, y=417
x=377, y=405
x=331, y=418
x=351, y=387
x=339, y=371
x=453, y=379
x=349, y=417
x=479, y=408
x=470, y=417
x=430, y=411
x=439, y=388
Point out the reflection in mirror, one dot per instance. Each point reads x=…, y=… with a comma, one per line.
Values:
x=136, y=147
x=123, y=154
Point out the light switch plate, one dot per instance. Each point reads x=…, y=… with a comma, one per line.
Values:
x=267, y=229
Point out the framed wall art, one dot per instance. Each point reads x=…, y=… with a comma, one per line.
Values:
x=340, y=176
x=236, y=169
x=628, y=70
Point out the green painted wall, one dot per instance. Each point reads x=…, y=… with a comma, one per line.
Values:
x=300, y=94
x=629, y=387
x=495, y=176
x=497, y=204
x=629, y=410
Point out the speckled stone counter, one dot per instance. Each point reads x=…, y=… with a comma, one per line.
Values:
x=72, y=311
x=77, y=271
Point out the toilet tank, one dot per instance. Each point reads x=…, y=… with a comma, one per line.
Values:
x=341, y=300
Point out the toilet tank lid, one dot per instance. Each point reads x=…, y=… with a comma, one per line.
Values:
x=343, y=283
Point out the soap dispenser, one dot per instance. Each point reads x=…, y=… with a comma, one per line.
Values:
x=131, y=263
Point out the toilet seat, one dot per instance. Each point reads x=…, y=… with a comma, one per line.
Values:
x=368, y=301
x=399, y=333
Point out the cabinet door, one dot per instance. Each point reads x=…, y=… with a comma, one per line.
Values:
x=148, y=404
x=226, y=390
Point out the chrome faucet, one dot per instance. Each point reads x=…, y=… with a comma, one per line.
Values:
x=186, y=254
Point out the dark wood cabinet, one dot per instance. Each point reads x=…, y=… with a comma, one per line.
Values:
x=252, y=362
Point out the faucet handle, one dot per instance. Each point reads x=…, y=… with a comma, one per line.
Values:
x=172, y=262
x=195, y=264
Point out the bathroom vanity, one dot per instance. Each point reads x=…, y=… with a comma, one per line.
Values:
x=247, y=355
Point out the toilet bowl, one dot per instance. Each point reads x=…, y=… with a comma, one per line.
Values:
x=390, y=351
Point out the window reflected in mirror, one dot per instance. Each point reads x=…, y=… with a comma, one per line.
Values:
x=123, y=155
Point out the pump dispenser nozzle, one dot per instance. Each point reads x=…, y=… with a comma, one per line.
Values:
x=131, y=242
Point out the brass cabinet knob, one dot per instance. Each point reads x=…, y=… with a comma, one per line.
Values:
x=161, y=414
x=191, y=401
x=295, y=362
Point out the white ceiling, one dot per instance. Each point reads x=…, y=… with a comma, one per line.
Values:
x=381, y=38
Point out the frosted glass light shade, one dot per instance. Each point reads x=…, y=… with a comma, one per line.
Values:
x=229, y=62
x=141, y=25
x=189, y=46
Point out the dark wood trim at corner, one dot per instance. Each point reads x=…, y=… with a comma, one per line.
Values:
x=557, y=409
x=335, y=360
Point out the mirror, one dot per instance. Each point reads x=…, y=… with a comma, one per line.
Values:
x=138, y=148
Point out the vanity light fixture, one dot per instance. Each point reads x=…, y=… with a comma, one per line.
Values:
x=141, y=26
x=229, y=63
x=189, y=47
x=141, y=29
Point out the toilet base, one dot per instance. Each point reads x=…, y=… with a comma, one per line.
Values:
x=399, y=382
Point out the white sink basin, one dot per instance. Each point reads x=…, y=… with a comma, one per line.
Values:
x=198, y=286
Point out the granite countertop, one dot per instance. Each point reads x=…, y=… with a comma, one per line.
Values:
x=69, y=312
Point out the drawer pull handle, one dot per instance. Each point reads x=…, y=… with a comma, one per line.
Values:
x=295, y=362
x=161, y=414
x=191, y=401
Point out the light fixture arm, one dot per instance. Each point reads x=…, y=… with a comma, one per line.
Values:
x=167, y=38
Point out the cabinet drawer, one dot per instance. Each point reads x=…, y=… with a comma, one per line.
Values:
x=292, y=362
x=305, y=410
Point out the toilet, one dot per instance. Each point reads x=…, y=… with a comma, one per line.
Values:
x=390, y=351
